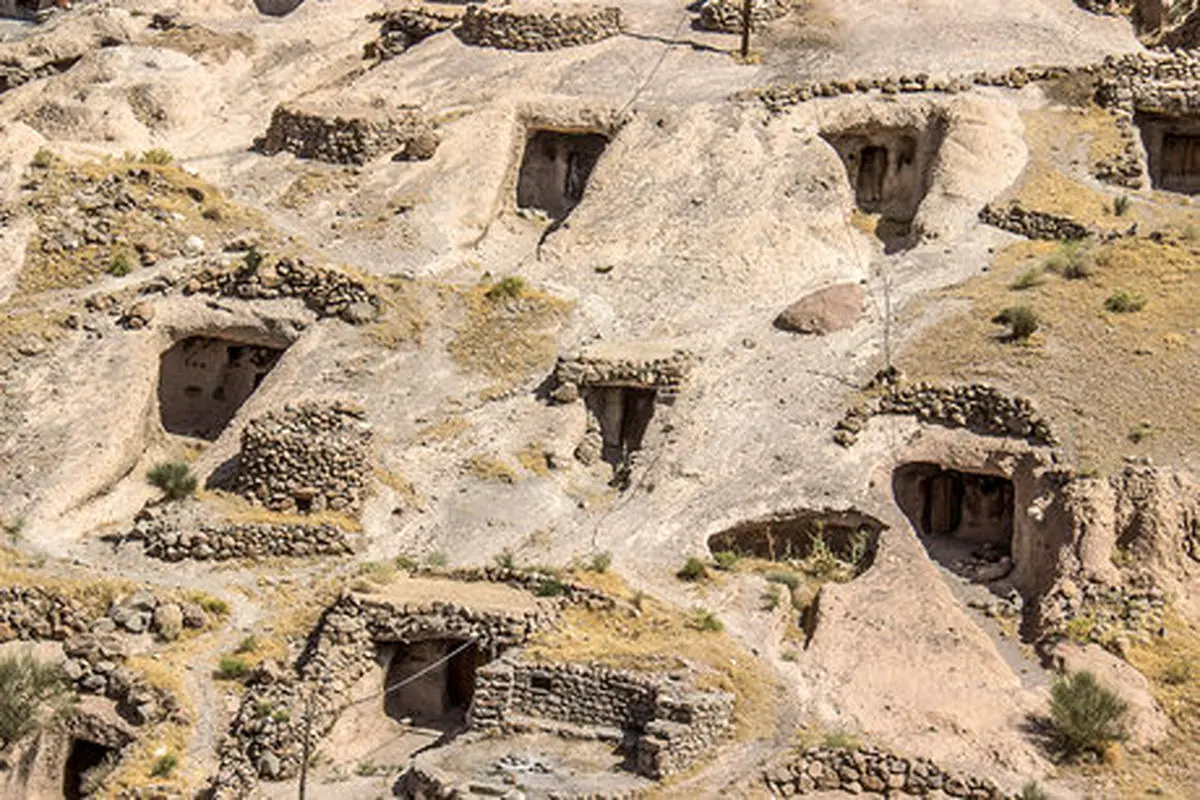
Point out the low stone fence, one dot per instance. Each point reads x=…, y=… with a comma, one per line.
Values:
x=978, y=408
x=1022, y=221
x=869, y=770
x=164, y=538
x=306, y=458
x=325, y=292
x=402, y=28
x=354, y=135
x=1155, y=82
x=537, y=29
x=663, y=372
x=671, y=725
x=533, y=581
x=725, y=16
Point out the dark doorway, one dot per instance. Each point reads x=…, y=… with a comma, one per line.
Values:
x=555, y=170
x=428, y=685
x=1172, y=151
x=203, y=381
x=850, y=535
x=624, y=414
x=83, y=757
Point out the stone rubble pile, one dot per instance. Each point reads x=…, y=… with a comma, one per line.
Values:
x=326, y=292
x=1112, y=616
x=404, y=27
x=536, y=29
x=725, y=16
x=664, y=373
x=1124, y=168
x=978, y=408
x=17, y=72
x=306, y=458
x=869, y=770
x=351, y=135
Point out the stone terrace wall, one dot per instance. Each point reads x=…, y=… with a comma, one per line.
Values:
x=725, y=16
x=1159, y=83
x=1017, y=219
x=549, y=28
x=306, y=458
x=868, y=770
x=666, y=374
x=164, y=537
x=673, y=725
x=326, y=292
x=353, y=136
x=402, y=28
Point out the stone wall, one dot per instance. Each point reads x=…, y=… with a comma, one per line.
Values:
x=534, y=29
x=164, y=537
x=671, y=725
x=353, y=135
x=326, y=292
x=871, y=771
x=665, y=372
x=1017, y=219
x=725, y=16
x=402, y=28
x=306, y=458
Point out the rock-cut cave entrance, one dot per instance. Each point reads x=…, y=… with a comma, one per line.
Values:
x=555, y=170
x=431, y=682
x=624, y=414
x=203, y=381
x=83, y=757
x=965, y=519
x=1172, y=151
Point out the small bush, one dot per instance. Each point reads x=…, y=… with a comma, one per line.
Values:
x=1124, y=302
x=1022, y=321
x=822, y=564
x=263, y=708
x=213, y=605
x=1029, y=279
x=1086, y=716
x=121, y=265
x=406, y=563
x=1121, y=205
x=505, y=559
x=1071, y=260
x=511, y=287
x=247, y=645
x=175, y=478
x=164, y=766
x=13, y=529
x=437, y=559
x=600, y=562
x=725, y=560
x=281, y=715
x=158, y=156
x=42, y=159
x=772, y=597
x=841, y=740
x=551, y=587
x=1178, y=672
x=701, y=619
x=31, y=689
x=1141, y=432
x=693, y=570
x=788, y=579
x=790, y=655
x=253, y=259
x=232, y=668
x=1033, y=791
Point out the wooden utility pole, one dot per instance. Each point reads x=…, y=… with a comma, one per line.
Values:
x=746, y=8
x=305, y=745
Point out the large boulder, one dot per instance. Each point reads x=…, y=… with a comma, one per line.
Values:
x=830, y=309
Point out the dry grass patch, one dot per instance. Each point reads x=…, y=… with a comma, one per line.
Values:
x=533, y=457
x=449, y=428
x=489, y=468
x=238, y=510
x=134, y=773
x=402, y=318
x=94, y=595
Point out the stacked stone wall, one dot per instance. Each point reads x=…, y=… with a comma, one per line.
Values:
x=665, y=374
x=402, y=28
x=350, y=137
x=725, y=16
x=164, y=538
x=306, y=458
x=538, y=29
x=871, y=771
x=326, y=292
x=1022, y=221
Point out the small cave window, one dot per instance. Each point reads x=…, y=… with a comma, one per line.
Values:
x=84, y=757
x=555, y=169
x=434, y=697
x=203, y=381
x=624, y=414
x=1172, y=151
x=540, y=682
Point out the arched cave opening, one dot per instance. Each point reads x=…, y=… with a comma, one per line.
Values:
x=851, y=536
x=555, y=169
x=963, y=518
x=83, y=757
x=1172, y=151
x=203, y=381
x=623, y=414
x=431, y=683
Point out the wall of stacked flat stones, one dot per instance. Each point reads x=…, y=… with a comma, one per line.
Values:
x=163, y=537
x=356, y=140
x=871, y=771
x=549, y=29
x=310, y=457
x=401, y=28
x=575, y=372
x=725, y=16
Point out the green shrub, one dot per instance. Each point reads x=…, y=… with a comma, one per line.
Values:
x=232, y=668
x=1029, y=279
x=253, y=259
x=1121, y=205
x=247, y=645
x=841, y=740
x=121, y=265
x=213, y=605
x=822, y=564
x=600, y=562
x=1022, y=321
x=1141, y=432
x=1085, y=715
x=158, y=156
x=511, y=287
x=725, y=559
x=263, y=708
x=1071, y=260
x=42, y=159
x=32, y=691
x=693, y=570
x=788, y=579
x=551, y=587
x=13, y=529
x=175, y=478
x=406, y=563
x=1033, y=791
x=701, y=619
x=281, y=715
x=437, y=559
x=505, y=559
x=164, y=766
x=1124, y=302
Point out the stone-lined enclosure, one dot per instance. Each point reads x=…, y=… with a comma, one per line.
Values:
x=550, y=27
x=349, y=134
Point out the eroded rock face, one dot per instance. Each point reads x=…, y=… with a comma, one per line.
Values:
x=833, y=308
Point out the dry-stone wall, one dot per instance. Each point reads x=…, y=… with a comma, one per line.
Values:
x=1022, y=221
x=306, y=458
x=351, y=135
x=726, y=15
x=869, y=770
x=534, y=29
x=978, y=408
x=663, y=373
x=164, y=537
x=532, y=581
x=326, y=292
x=1156, y=82
x=672, y=725
x=402, y=28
